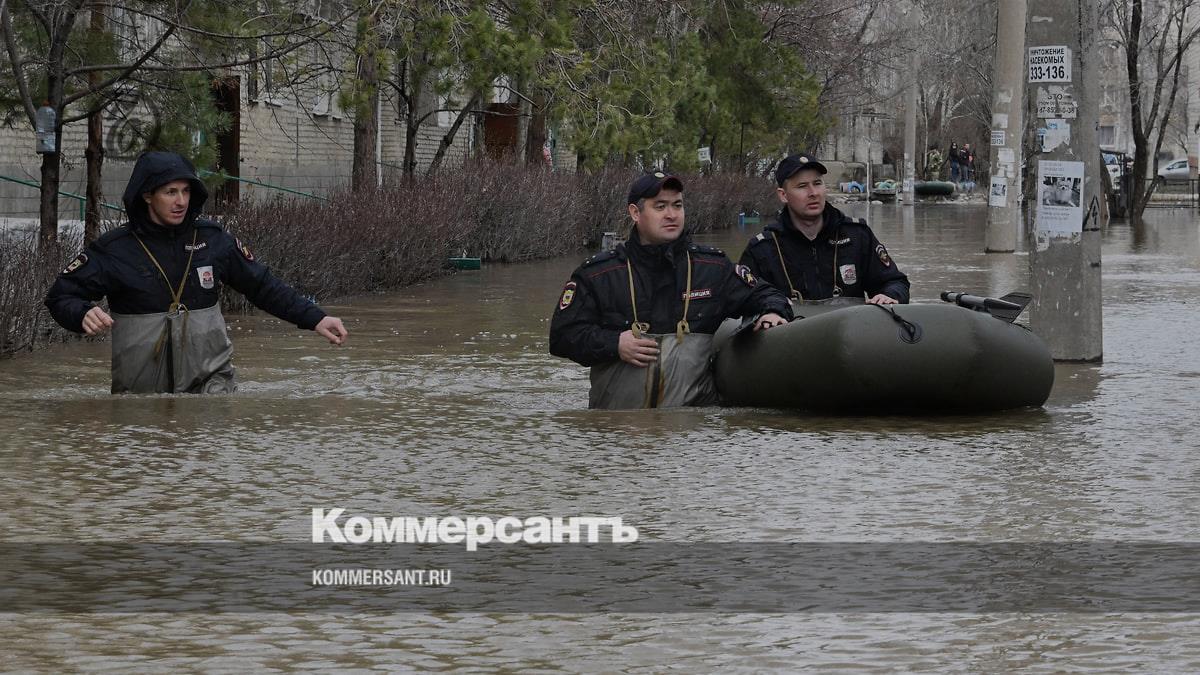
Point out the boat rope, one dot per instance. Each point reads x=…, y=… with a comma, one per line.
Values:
x=909, y=331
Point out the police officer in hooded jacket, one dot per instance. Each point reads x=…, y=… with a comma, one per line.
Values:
x=816, y=252
x=162, y=272
x=642, y=315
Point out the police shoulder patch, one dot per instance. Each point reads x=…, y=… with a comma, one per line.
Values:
x=79, y=261
x=883, y=255
x=568, y=295
x=761, y=236
x=244, y=250
x=745, y=275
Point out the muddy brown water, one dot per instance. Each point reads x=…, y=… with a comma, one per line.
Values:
x=446, y=402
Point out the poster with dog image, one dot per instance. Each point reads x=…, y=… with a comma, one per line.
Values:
x=1060, y=197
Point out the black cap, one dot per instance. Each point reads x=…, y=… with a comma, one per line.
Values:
x=651, y=184
x=792, y=164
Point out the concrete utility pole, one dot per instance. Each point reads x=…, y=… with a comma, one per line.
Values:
x=1065, y=261
x=1008, y=124
x=910, y=116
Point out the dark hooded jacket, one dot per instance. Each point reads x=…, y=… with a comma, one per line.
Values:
x=595, y=306
x=197, y=251
x=845, y=256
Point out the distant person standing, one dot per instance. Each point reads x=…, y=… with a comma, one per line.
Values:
x=968, y=162
x=162, y=273
x=933, y=163
x=955, y=157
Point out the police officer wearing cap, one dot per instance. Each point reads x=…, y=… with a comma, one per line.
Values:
x=162, y=273
x=642, y=316
x=814, y=251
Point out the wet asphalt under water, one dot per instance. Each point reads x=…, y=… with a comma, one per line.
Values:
x=446, y=402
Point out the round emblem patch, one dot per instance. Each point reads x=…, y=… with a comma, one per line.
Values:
x=568, y=295
x=244, y=249
x=883, y=255
x=79, y=261
x=745, y=275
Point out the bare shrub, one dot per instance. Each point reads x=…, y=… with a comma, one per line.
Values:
x=25, y=276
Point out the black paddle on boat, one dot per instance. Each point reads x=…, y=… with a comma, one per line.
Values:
x=1006, y=308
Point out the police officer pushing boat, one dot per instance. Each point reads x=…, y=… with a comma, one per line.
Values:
x=642, y=316
x=162, y=272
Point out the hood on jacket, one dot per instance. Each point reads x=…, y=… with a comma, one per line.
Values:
x=153, y=170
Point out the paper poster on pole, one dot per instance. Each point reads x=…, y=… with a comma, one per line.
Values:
x=997, y=137
x=1057, y=132
x=1056, y=101
x=999, y=121
x=998, y=195
x=1060, y=198
x=1050, y=64
x=1007, y=156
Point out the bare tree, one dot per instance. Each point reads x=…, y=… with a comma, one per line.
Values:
x=1155, y=39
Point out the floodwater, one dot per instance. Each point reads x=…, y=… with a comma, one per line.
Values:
x=446, y=403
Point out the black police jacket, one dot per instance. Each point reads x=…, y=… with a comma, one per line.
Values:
x=116, y=266
x=845, y=256
x=595, y=306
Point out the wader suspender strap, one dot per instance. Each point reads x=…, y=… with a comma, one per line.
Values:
x=681, y=328
x=656, y=385
x=795, y=294
x=638, y=327
x=176, y=293
x=837, y=290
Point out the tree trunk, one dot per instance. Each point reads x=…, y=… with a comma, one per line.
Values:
x=525, y=115
x=363, y=174
x=52, y=162
x=48, y=212
x=95, y=145
x=95, y=163
x=412, y=124
x=480, y=128
x=448, y=139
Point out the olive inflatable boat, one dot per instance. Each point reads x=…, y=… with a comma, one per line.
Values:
x=934, y=188
x=846, y=356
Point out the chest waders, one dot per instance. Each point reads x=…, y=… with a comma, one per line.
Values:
x=680, y=376
x=176, y=351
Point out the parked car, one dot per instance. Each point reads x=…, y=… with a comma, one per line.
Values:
x=1177, y=171
x=1113, y=164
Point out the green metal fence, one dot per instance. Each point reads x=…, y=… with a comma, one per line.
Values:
x=63, y=193
x=224, y=176
x=82, y=199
